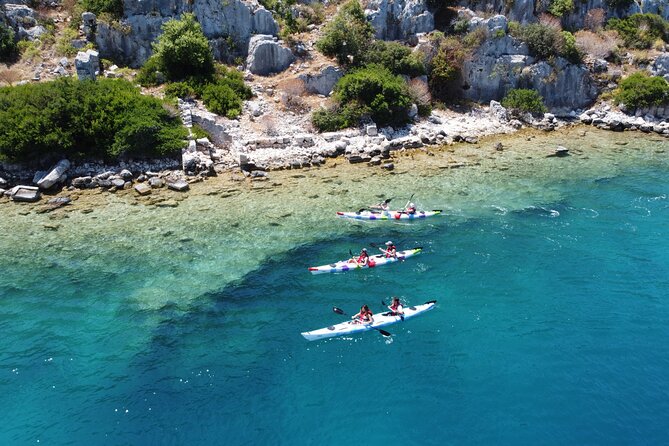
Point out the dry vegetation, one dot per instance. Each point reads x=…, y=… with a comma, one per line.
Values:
x=600, y=45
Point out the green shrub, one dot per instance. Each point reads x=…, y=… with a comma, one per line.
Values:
x=641, y=90
x=103, y=119
x=199, y=132
x=219, y=98
x=348, y=36
x=235, y=80
x=147, y=76
x=561, y=7
x=182, y=50
x=112, y=7
x=64, y=45
x=375, y=88
x=396, y=57
x=445, y=69
x=640, y=30
x=8, y=47
x=523, y=100
x=543, y=41
x=569, y=49
x=179, y=90
x=338, y=117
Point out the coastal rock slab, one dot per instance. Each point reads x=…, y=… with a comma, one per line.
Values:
x=267, y=56
x=28, y=194
x=55, y=175
x=142, y=189
x=179, y=185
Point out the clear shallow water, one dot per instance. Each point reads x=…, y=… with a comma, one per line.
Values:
x=551, y=327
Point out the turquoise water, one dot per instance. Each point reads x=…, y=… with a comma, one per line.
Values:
x=138, y=325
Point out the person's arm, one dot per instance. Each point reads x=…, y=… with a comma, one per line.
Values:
x=400, y=309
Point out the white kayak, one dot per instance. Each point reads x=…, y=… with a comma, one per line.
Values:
x=388, y=215
x=380, y=320
x=374, y=261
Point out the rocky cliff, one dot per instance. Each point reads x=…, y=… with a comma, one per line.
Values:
x=227, y=24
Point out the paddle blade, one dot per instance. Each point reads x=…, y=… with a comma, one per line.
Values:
x=387, y=200
x=337, y=310
x=431, y=302
x=373, y=245
x=384, y=333
x=383, y=303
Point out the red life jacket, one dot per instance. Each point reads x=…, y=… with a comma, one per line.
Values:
x=362, y=256
x=391, y=254
x=395, y=307
x=363, y=316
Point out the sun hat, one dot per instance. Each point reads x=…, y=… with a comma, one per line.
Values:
x=388, y=243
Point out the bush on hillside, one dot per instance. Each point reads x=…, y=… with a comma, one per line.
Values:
x=370, y=91
x=396, y=57
x=561, y=7
x=348, y=36
x=8, y=47
x=219, y=98
x=569, y=49
x=445, y=69
x=543, y=41
x=181, y=51
x=524, y=101
x=112, y=7
x=179, y=90
x=68, y=118
x=641, y=90
x=640, y=31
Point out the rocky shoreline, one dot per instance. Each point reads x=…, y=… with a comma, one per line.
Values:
x=246, y=154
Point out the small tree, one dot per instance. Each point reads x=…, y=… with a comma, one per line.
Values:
x=8, y=48
x=524, y=101
x=641, y=90
x=183, y=50
x=348, y=36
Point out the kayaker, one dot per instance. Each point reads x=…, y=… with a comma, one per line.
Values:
x=383, y=206
x=396, y=307
x=363, y=259
x=410, y=209
x=364, y=317
x=391, y=250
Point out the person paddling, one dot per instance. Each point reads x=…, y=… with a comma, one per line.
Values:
x=396, y=308
x=410, y=209
x=390, y=251
x=365, y=316
x=363, y=258
x=383, y=206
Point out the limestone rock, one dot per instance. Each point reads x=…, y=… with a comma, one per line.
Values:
x=399, y=19
x=28, y=194
x=179, y=185
x=142, y=189
x=54, y=176
x=267, y=56
x=323, y=82
x=87, y=64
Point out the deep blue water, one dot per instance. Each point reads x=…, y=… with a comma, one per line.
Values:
x=552, y=327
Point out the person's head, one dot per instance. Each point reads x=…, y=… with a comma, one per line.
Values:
x=389, y=243
x=396, y=300
x=364, y=309
x=364, y=251
x=411, y=205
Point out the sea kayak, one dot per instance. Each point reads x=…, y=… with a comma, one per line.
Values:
x=388, y=215
x=380, y=320
x=374, y=261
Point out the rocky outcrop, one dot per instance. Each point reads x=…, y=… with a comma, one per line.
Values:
x=87, y=64
x=495, y=68
x=660, y=67
x=562, y=85
x=323, y=82
x=399, y=19
x=24, y=21
x=266, y=56
x=504, y=63
x=227, y=24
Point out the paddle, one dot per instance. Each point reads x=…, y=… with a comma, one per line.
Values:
x=383, y=332
x=400, y=315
